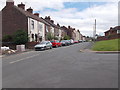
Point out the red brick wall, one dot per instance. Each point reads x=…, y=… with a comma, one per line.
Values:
x=30, y=45
x=13, y=20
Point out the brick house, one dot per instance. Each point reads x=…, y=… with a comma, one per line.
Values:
x=16, y=17
x=113, y=31
x=55, y=29
x=64, y=31
x=78, y=35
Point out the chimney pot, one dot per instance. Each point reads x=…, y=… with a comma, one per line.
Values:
x=30, y=10
x=68, y=27
x=21, y=5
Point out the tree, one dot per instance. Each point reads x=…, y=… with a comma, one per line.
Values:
x=66, y=37
x=20, y=37
x=49, y=36
x=7, y=38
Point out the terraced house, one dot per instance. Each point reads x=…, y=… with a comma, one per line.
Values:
x=55, y=29
x=16, y=17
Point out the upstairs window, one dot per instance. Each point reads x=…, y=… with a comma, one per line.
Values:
x=118, y=31
x=32, y=24
x=40, y=27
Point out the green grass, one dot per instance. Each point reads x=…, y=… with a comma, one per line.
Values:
x=107, y=45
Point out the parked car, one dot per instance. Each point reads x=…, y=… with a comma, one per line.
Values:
x=64, y=43
x=72, y=42
x=43, y=45
x=56, y=43
x=76, y=41
x=68, y=42
x=80, y=41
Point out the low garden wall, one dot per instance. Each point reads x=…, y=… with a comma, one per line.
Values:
x=29, y=45
x=108, y=37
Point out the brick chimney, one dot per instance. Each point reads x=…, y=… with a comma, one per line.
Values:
x=111, y=28
x=69, y=27
x=36, y=14
x=9, y=3
x=48, y=18
x=58, y=25
x=52, y=21
x=21, y=6
x=30, y=10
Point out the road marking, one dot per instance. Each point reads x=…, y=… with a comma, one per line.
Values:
x=23, y=59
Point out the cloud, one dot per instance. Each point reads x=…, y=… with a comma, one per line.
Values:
x=106, y=15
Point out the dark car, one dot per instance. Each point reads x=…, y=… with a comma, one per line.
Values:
x=65, y=42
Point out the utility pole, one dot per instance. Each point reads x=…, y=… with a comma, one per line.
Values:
x=94, y=31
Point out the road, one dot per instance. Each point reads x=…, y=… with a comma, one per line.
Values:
x=64, y=67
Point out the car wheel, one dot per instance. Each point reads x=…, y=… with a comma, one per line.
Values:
x=45, y=48
x=51, y=47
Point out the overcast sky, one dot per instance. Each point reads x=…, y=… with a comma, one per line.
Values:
x=79, y=14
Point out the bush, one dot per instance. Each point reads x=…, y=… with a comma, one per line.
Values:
x=7, y=38
x=66, y=37
x=55, y=38
x=20, y=37
x=49, y=36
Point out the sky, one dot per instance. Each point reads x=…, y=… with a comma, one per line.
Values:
x=79, y=14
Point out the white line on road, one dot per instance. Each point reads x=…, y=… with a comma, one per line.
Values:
x=23, y=59
x=34, y=55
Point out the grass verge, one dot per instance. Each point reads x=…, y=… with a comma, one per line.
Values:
x=107, y=45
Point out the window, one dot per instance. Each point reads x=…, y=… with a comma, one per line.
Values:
x=32, y=24
x=40, y=27
x=118, y=31
x=46, y=29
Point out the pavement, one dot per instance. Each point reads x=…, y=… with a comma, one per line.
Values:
x=64, y=67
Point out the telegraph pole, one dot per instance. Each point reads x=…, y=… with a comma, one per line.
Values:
x=94, y=31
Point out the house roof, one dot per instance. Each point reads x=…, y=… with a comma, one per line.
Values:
x=28, y=14
x=52, y=24
x=113, y=29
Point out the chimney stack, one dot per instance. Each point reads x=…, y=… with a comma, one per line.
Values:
x=58, y=25
x=30, y=10
x=36, y=14
x=52, y=21
x=9, y=3
x=21, y=6
x=69, y=27
x=47, y=18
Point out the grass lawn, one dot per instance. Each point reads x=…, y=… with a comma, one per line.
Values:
x=107, y=45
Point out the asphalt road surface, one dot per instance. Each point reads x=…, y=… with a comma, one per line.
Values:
x=64, y=67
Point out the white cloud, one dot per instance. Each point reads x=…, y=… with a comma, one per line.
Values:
x=106, y=15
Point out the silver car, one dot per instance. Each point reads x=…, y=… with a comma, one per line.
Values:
x=43, y=45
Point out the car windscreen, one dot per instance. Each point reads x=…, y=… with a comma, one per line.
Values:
x=63, y=41
x=57, y=41
x=51, y=41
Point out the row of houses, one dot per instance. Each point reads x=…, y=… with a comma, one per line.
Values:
x=17, y=17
